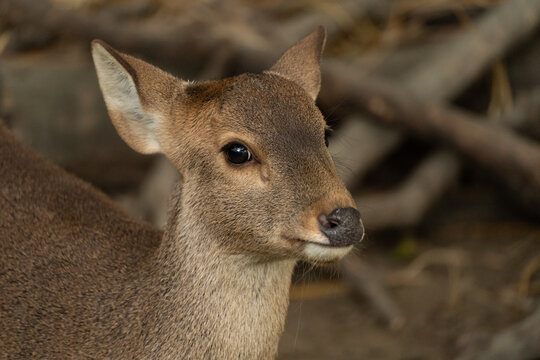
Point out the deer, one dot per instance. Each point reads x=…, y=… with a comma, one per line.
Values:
x=79, y=278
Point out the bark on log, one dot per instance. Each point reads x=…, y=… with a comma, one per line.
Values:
x=447, y=72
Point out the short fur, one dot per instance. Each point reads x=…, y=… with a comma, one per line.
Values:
x=80, y=279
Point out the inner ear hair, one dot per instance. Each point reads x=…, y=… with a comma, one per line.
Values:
x=137, y=95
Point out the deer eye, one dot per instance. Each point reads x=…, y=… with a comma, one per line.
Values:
x=237, y=153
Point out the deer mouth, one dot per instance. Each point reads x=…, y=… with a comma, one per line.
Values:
x=325, y=253
x=322, y=245
x=315, y=239
x=318, y=251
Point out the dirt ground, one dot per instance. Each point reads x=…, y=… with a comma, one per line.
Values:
x=466, y=288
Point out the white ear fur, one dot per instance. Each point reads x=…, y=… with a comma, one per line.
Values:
x=135, y=125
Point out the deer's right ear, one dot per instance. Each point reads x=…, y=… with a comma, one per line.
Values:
x=301, y=63
x=138, y=96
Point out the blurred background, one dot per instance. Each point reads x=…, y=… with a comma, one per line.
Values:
x=435, y=110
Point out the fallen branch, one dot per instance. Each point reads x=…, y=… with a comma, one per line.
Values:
x=513, y=158
x=525, y=117
x=191, y=42
x=367, y=284
x=185, y=44
x=469, y=54
x=161, y=43
x=438, y=77
x=527, y=274
x=359, y=146
x=406, y=205
x=337, y=17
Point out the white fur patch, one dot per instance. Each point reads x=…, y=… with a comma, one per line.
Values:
x=323, y=253
x=316, y=238
x=120, y=94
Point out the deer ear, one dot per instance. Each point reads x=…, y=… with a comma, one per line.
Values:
x=301, y=63
x=137, y=95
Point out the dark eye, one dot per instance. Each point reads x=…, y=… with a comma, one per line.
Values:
x=237, y=153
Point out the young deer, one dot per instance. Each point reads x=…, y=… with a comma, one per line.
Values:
x=80, y=279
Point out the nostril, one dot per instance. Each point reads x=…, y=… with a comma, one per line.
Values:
x=323, y=220
x=334, y=220
x=333, y=223
x=328, y=222
x=342, y=226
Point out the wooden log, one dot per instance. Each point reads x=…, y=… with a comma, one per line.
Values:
x=151, y=200
x=522, y=66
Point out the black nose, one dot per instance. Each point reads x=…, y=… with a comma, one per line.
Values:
x=342, y=226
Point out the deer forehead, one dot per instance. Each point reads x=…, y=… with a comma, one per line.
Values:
x=273, y=111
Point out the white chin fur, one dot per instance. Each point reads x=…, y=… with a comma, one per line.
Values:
x=316, y=252
x=316, y=238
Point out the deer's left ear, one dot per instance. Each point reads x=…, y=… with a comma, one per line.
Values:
x=138, y=96
x=301, y=63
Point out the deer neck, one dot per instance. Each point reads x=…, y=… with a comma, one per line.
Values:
x=213, y=304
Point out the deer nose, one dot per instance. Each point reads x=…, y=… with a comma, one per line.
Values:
x=342, y=226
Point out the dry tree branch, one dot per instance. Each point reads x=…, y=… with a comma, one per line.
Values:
x=406, y=205
x=439, y=77
x=513, y=158
x=366, y=283
x=525, y=116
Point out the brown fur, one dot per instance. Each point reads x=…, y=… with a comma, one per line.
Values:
x=79, y=279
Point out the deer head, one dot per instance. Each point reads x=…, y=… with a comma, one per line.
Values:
x=258, y=177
